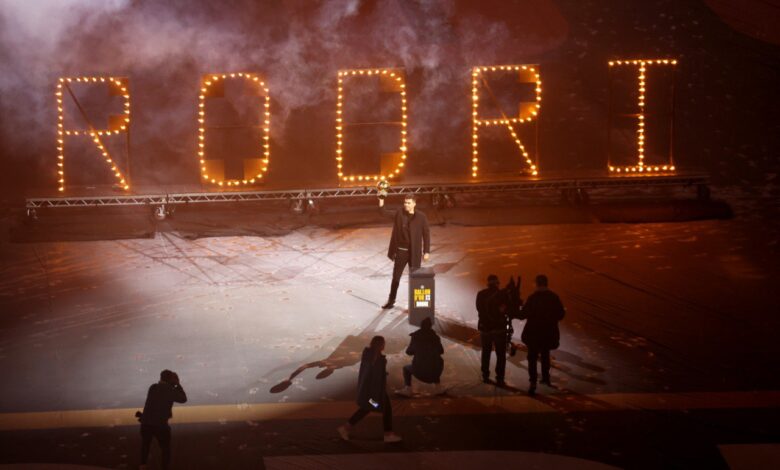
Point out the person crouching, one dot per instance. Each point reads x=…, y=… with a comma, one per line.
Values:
x=427, y=365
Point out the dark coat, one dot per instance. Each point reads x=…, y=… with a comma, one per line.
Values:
x=419, y=235
x=543, y=310
x=426, y=348
x=489, y=302
x=159, y=401
x=372, y=380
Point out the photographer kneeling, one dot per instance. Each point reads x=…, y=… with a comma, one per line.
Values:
x=427, y=364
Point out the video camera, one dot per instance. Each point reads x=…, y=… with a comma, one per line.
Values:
x=514, y=305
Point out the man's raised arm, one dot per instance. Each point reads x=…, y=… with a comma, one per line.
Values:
x=382, y=194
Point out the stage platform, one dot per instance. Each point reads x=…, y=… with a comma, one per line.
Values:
x=573, y=188
x=266, y=334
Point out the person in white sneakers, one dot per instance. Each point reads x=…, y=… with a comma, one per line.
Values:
x=427, y=365
x=372, y=391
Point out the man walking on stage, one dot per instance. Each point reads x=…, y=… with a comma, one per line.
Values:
x=410, y=242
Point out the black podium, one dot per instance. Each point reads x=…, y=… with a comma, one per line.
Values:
x=422, y=292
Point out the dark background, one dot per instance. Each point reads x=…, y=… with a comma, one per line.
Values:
x=726, y=80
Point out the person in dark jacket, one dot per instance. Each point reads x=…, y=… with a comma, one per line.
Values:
x=157, y=412
x=492, y=308
x=543, y=310
x=427, y=365
x=372, y=391
x=410, y=242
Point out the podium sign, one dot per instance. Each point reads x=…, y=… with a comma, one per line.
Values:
x=422, y=294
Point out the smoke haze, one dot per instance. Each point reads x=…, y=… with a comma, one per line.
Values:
x=164, y=47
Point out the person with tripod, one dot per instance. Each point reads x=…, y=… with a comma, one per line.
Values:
x=492, y=326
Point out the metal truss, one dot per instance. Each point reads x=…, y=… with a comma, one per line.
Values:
x=151, y=199
x=554, y=184
x=563, y=184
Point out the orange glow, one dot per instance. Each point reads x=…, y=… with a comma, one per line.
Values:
x=641, y=167
x=398, y=77
x=95, y=134
x=210, y=80
x=476, y=122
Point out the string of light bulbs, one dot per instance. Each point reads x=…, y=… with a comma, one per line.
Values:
x=641, y=167
x=210, y=80
x=95, y=134
x=476, y=122
x=391, y=74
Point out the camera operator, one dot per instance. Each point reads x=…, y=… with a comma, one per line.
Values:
x=492, y=326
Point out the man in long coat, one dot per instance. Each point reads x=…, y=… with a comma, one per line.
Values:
x=410, y=242
x=543, y=310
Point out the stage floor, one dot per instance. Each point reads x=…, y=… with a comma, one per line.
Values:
x=272, y=327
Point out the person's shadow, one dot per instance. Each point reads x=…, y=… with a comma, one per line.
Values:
x=349, y=351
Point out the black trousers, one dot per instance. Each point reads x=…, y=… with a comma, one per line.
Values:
x=408, y=371
x=493, y=340
x=533, y=355
x=402, y=259
x=163, y=435
x=387, y=414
